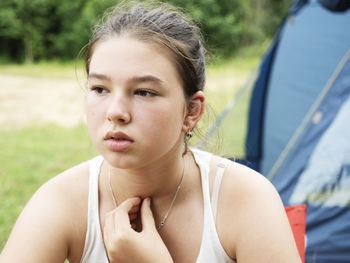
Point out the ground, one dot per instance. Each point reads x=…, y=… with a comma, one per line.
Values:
x=39, y=100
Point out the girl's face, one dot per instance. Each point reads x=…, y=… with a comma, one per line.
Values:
x=136, y=110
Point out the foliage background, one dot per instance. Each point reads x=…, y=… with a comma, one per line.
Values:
x=32, y=30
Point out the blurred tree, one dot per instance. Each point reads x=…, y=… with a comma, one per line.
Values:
x=220, y=21
x=73, y=34
x=9, y=26
x=229, y=25
x=47, y=29
x=61, y=39
x=277, y=10
x=24, y=24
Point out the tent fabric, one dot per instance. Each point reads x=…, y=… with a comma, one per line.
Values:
x=323, y=148
x=302, y=140
x=309, y=51
x=317, y=173
x=336, y=5
x=255, y=119
x=256, y=113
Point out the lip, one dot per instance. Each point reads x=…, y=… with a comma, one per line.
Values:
x=118, y=141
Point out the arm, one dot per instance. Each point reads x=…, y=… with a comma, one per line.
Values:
x=41, y=232
x=262, y=232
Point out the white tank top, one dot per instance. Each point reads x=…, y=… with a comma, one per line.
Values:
x=211, y=250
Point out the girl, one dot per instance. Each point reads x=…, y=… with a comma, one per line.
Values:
x=148, y=197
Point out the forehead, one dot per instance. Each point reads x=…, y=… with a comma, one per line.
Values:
x=122, y=57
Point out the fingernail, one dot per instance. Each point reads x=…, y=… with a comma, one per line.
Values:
x=148, y=201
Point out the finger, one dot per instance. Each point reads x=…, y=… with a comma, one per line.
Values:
x=147, y=218
x=129, y=204
x=108, y=228
x=121, y=214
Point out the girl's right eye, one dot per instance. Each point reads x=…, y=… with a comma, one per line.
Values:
x=99, y=90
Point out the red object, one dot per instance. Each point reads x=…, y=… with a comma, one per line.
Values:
x=297, y=219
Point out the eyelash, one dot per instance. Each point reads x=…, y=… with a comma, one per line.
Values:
x=145, y=93
x=99, y=90
x=142, y=92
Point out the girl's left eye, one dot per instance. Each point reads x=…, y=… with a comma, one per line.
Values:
x=145, y=93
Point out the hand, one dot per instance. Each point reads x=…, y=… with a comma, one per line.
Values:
x=124, y=244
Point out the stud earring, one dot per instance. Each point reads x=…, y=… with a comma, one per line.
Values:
x=189, y=134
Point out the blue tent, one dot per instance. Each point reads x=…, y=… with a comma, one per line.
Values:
x=299, y=122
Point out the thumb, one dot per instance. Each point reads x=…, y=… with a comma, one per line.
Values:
x=147, y=218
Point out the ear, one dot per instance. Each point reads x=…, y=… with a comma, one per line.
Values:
x=194, y=111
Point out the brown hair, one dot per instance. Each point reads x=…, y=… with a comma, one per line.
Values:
x=161, y=24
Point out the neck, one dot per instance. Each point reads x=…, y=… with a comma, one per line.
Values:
x=158, y=181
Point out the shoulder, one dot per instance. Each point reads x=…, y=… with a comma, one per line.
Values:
x=66, y=188
x=72, y=180
x=49, y=220
x=246, y=190
x=63, y=201
x=254, y=217
x=241, y=182
x=247, y=183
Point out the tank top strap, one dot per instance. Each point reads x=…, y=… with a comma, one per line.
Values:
x=211, y=249
x=94, y=169
x=216, y=185
x=203, y=160
x=94, y=248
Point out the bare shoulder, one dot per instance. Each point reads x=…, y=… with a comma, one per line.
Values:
x=68, y=190
x=247, y=183
x=72, y=182
x=251, y=220
x=46, y=227
x=246, y=192
x=242, y=183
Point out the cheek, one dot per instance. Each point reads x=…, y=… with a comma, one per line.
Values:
x=163, y=118
x=94, y=107
x=95, y=115
x=92, y=125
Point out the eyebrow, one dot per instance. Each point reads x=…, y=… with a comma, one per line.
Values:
x=98, y=76
x=135, y=79
x=146, y=78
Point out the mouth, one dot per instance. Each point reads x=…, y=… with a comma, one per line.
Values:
x=118, y=136
x=118, y=141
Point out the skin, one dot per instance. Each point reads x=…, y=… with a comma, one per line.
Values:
x=134, y=87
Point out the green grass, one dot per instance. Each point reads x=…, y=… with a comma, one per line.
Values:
x=32, y=155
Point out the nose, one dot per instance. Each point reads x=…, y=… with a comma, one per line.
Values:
x=118, y=110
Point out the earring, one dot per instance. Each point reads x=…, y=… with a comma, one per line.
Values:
x=189, y=134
